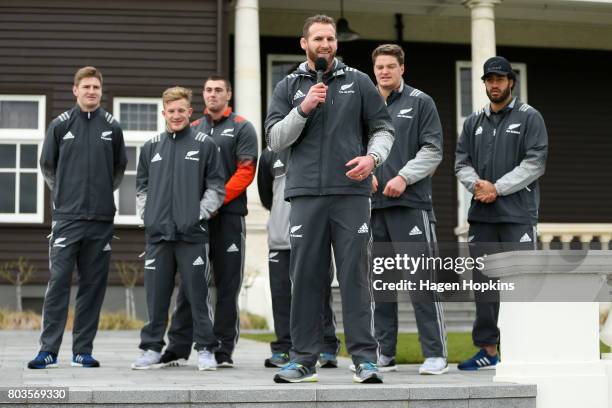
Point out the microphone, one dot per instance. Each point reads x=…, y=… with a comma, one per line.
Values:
x=320, y=67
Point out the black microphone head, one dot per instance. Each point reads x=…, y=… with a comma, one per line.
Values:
x=320, y=64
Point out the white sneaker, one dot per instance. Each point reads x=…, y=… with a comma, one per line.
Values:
x=434, y=366
x=206, y=361
x=148, y=359
x=386, y=363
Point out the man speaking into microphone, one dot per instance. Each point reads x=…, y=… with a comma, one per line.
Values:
x=338, y=129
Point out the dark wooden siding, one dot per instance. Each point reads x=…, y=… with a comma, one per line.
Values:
x=566, y=86
x=141, y=47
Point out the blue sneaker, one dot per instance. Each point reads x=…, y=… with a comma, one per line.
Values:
x=367, y=373
x=44, y=359
x=480, y=361
x=327, y=360
x=84, y=360
x=296, y=373
x=278, y=360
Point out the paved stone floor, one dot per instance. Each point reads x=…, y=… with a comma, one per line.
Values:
x=248, y=381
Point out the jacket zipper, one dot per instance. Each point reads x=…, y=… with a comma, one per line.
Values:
x=87, y=135
x=323, y=138
x=172, y=158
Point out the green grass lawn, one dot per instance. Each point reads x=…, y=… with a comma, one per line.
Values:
x=408, y=348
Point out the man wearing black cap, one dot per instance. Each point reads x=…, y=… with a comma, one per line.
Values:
x=500, y=156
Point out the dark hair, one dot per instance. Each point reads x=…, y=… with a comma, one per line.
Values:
x=389, y=49
x=228, y=84
x=319, y=18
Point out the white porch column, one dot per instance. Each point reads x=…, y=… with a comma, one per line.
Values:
x=483, y=48
x=247, y=100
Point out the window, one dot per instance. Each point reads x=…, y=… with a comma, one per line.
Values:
x=464, y=109
x=140, y=119
x=279, y=66
x=22, y=119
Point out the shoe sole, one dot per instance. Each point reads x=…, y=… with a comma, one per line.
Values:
x=477, y=368
x=387, y=369
x=174, y=363
x=73, y=364
x=54, y=365
x=328, y=364
x=425, y=372
x=207, y=368
x=225, y=365
x=370, y=380
x=282, y=380
x=149, y=367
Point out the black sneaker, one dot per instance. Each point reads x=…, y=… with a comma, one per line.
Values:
x=171, y=359
x=278, y=360
x=224, y=360
x=327, y=360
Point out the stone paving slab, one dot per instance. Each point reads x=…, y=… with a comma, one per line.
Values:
x=248, y=384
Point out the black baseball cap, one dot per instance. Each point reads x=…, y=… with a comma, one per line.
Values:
x=497, y=65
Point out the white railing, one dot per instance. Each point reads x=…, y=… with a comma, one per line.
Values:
x=565, y=232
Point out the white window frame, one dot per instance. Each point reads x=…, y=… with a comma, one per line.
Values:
x=271, y=58
x=135, y=138
x=26, y=136
x=464, y=197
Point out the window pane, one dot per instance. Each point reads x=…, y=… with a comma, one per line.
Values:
x=7, y=198
x=466, y=91
x=8, y=155
x=138, y=116
x=281, y=69
x=130, y=151
x=29, y=154
x=127, y=195
x=27, y=193
x=19, y=114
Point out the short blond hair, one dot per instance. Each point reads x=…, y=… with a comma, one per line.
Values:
x=87, y=72
x=175, y=93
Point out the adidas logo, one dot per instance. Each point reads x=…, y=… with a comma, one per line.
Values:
x=156, y=158
x=59, y=243
x=299, y=94
x=346, y=89
x=68, y=135
x=228, y=132
x=233, y=248
x=106, y=134
x=525, y=238
x=415, y=231
x=107, y=248
x=293, y=231
x=198, y=261
x=404, y=113
x=478, y=131
x=512, y=127
x=277, y=164
x=190, y=154
x=363, y=229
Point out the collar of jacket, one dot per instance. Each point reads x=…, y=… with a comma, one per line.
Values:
x=226, y=114
x=88, y=115
x=504, y=110
x=337, y=70
x=180, y=134
x=395, y=94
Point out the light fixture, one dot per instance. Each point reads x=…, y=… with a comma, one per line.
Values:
x=343, y=32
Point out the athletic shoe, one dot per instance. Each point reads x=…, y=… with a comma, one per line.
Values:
x=44, y=359
x=84, y=360
x=278, y=360
x=171, y=359
x=296, y=373
x=367, y=373
x=224, y=360
x=327, y=360
x=434, y=366
x=480, y=361
x=206, y=361
x=148, y=359
x=385, y=364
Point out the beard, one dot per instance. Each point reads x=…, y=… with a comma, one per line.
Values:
x=312, y=56
x=503, y=96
